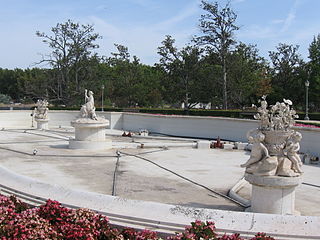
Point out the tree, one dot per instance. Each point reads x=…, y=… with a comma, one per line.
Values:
x=181, y=68
x=287, y=73
x=5, y=99
x=9, y=83
x=132, y=83
x=218, y=27
x=314, y=73
x=34, y=83
x=71, y=45
x=247, y=75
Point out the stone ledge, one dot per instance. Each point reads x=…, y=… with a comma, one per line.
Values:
x=280, y=227
x=90, y=123
x=273, y=181
x=91, y=145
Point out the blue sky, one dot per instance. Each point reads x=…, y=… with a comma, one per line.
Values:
x=141, y=25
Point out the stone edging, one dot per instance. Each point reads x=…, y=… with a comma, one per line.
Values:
x=164, y=217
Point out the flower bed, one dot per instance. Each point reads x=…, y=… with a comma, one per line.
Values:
x=18, y=221
x=314, y=125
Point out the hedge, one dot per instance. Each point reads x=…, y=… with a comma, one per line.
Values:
x=171, y=111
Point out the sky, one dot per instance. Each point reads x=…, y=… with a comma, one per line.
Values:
x=142, y=25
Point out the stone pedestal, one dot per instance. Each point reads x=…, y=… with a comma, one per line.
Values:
x=90, y=134
x=240, y=145
x=273, y=194
x=42, y=124
x=203, y=144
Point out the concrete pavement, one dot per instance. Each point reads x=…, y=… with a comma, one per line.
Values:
x=179, y=175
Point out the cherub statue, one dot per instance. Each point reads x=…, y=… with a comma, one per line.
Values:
x=263, y=115
x=291, y=149
x=259, y=150
x=41, y=111
x=88, y=109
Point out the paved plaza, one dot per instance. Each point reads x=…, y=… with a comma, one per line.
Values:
x=166, y=170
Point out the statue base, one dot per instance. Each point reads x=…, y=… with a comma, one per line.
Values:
x=273, y=194
x=42, y=124
x=90, y=145
x=90, y=134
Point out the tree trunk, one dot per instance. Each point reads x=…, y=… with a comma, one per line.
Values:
x=186, y=106
x=224, y=87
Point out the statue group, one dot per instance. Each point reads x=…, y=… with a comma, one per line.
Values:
x=88, y=110
x=41, y=110
x=275, y=145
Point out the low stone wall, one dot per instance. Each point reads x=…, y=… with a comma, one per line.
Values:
x=187, y=126
x=190, y=126
x=210, y=127
x=163, y=217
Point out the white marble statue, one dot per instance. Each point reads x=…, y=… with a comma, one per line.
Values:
x=88, y=109
x=291, y=151
x=259, y=151
x=263, y=114
x=41, y=111
x=275, y=145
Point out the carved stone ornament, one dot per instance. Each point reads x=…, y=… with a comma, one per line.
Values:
x=275, y=144
x=88, y=109
x=41, y=111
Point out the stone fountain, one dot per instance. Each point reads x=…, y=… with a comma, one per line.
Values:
x=274, y=166
x=90, y=130
x=41, y=114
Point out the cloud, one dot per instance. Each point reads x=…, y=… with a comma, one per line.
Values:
x=257, y=32
x=291, y=16
x=143, y=39
x=277, y=21
x=189, y=11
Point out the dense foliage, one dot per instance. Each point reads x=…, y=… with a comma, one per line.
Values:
x=213, y=68
x=52, y=221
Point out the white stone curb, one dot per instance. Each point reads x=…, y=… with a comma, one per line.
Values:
x=164, y=217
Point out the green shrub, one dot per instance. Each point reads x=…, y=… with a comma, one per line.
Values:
x=5, y=99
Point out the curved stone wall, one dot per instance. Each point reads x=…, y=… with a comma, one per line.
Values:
x=188, y=126
x=165, y=218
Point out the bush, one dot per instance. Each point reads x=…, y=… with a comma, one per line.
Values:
x=5, y=99
x=53, y=221
x=201, y=112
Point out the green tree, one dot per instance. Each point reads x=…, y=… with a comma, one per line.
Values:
x=218, y=27
x=288, y=72
x=132, y=83
x=9, y=83
x=5, y=98
x=247, y=75
x=314, y=73
x=34, y=83
x=181, y=68
x=72, y=46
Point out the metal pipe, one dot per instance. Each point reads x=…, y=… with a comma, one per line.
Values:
x=307, y=103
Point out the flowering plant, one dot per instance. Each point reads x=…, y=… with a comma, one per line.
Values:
x=52, y=221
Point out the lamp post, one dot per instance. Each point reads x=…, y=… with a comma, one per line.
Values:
x=102, y=90
x=307, y=107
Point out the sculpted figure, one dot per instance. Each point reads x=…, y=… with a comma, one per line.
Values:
x=259, y=150
x=275, y=145
x=291, y=149
x=41, y=111
x=262, y=114
x=88, y=110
